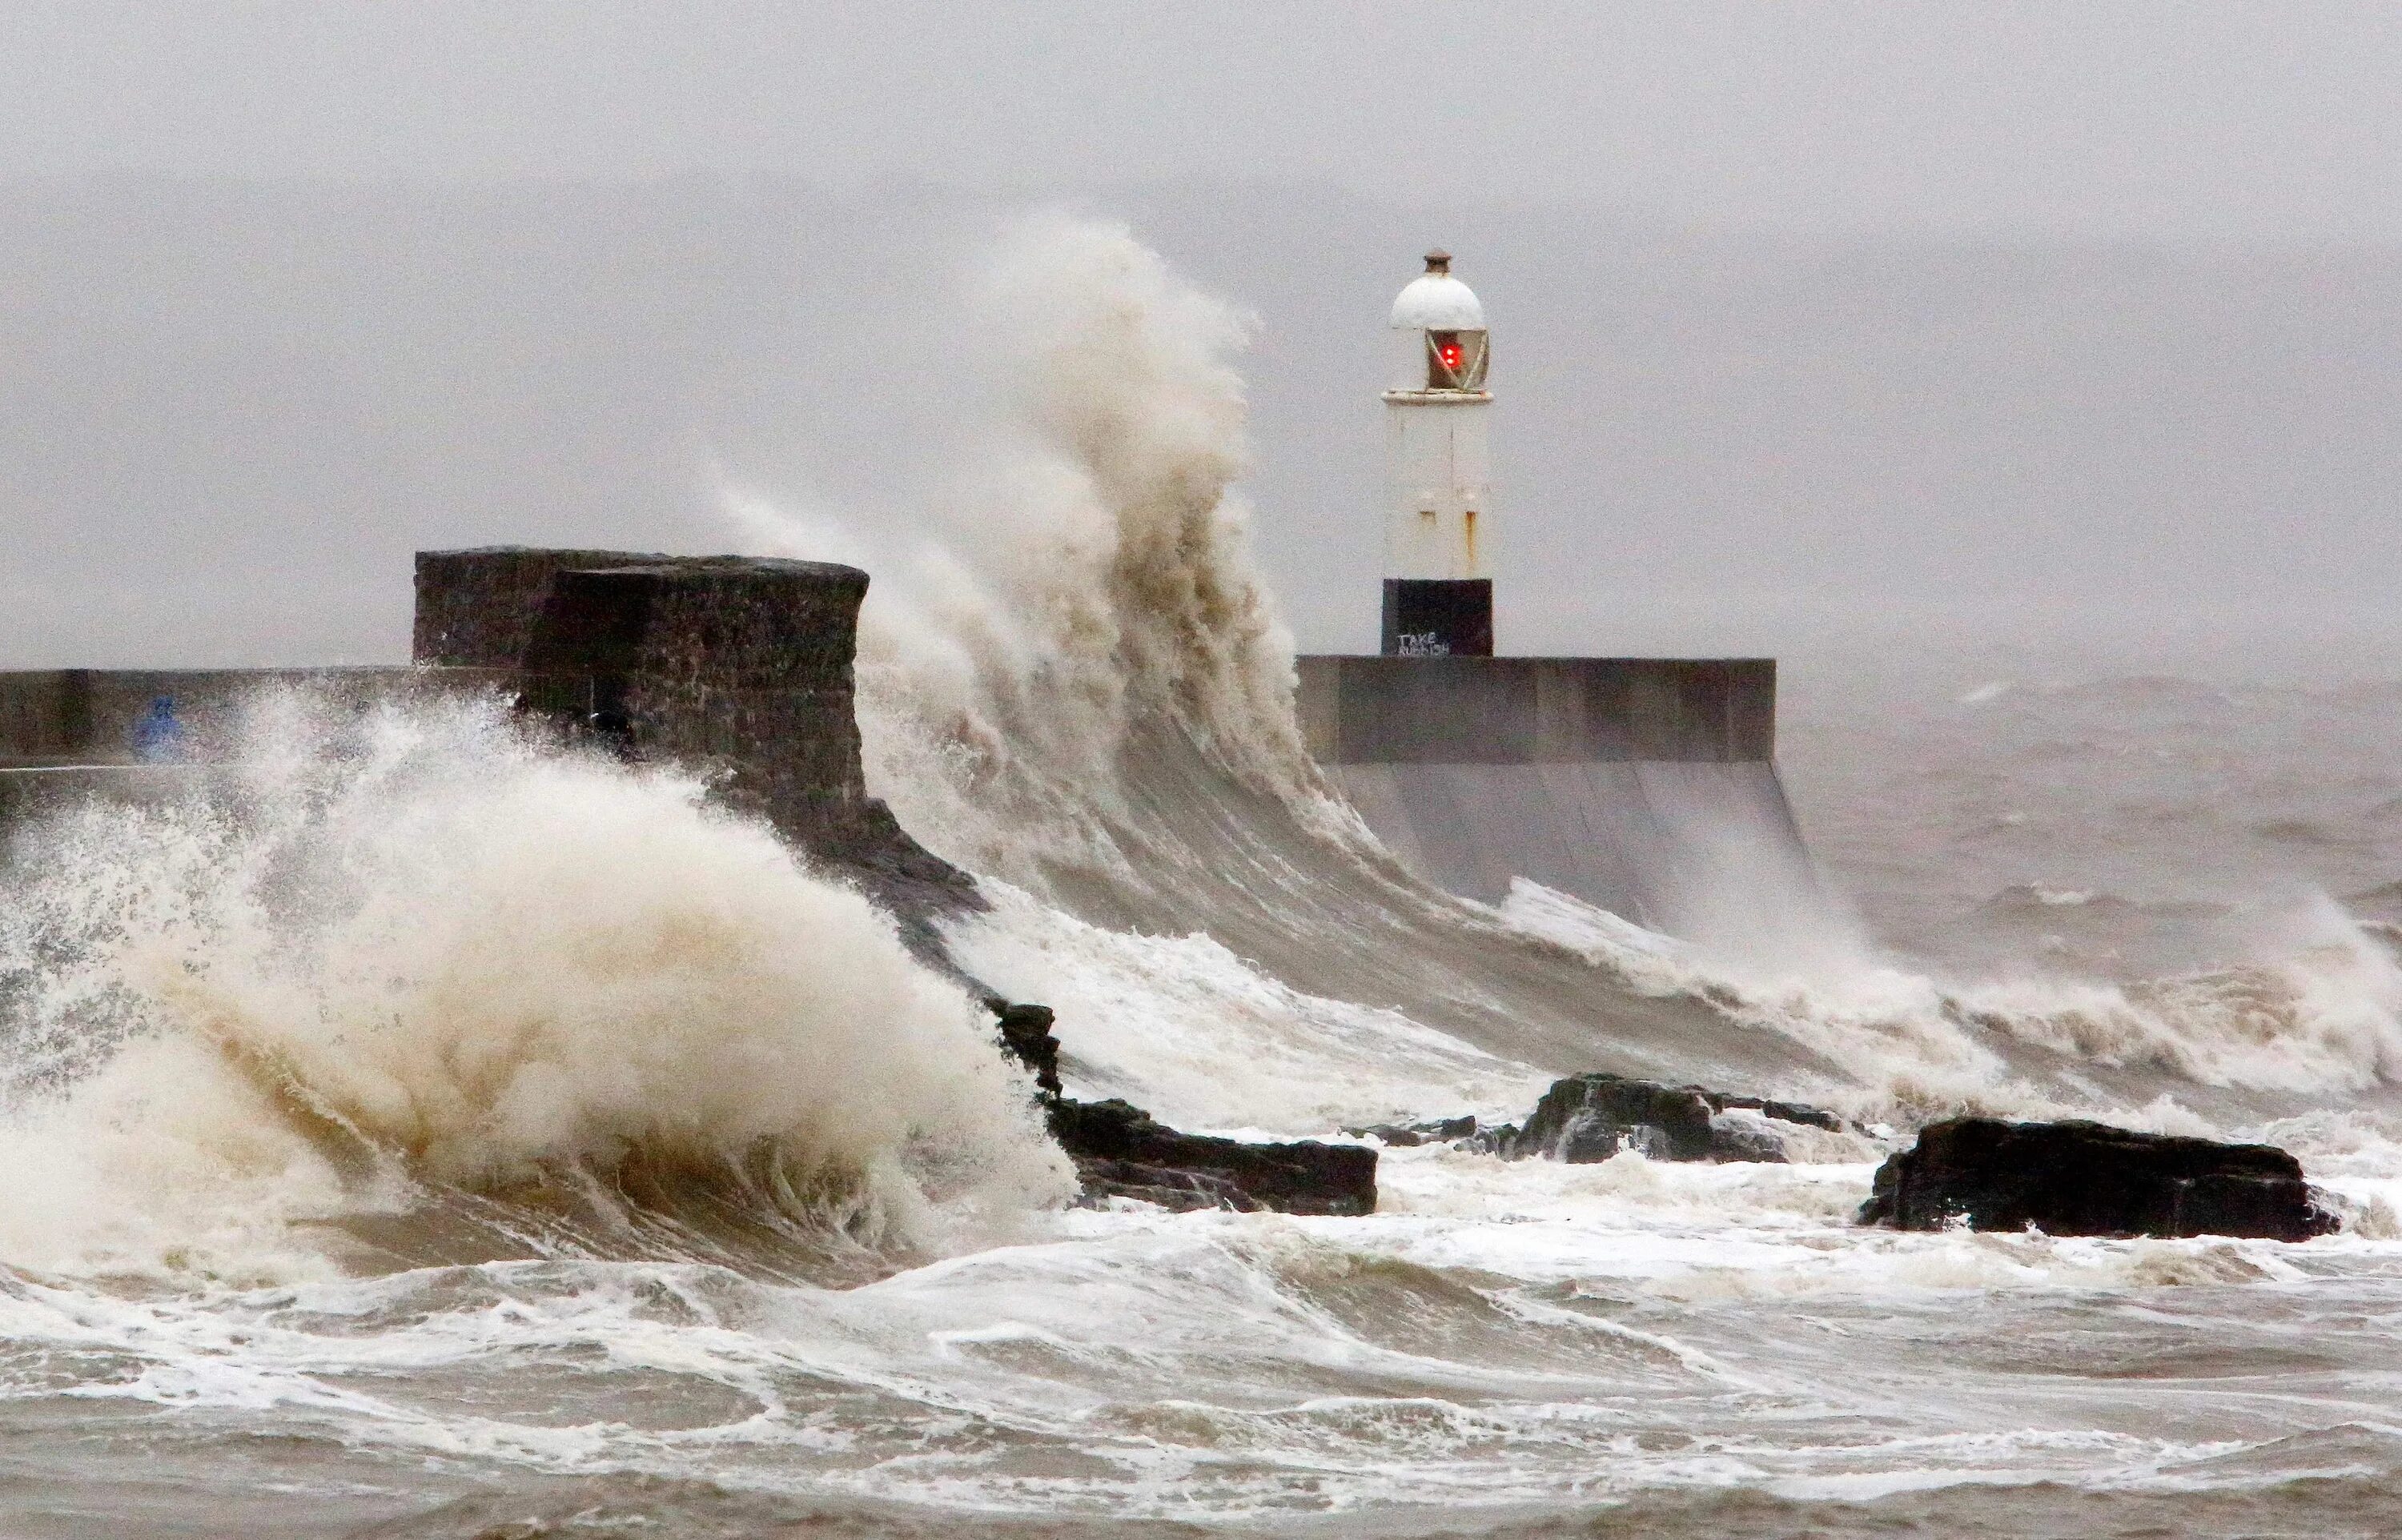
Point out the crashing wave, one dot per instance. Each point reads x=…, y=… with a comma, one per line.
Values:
x=413, y=951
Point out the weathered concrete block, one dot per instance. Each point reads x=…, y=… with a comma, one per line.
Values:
x=741, y=661
x=475, y=609
x=738, y=663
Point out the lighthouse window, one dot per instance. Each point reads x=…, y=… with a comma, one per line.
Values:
x=1444, y=358
x=1455, y=361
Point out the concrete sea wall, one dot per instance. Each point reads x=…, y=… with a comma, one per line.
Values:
x=737, y=665
x=58, y=717
x=1488, y=711
x=132, y=733
x=1646, y=786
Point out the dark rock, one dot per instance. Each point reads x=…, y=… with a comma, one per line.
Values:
x=1182, y=1192
x=1783, y=1112
x=1025, y=1036
x=1118, y=1146
x=1121, y=1151
x=1594, y=1115
x=1745, y=1140
x=1500, y=1139
x=1411, y=1136
x=2084, y=1178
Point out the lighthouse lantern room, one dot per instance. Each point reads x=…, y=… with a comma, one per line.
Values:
x=1438, y=531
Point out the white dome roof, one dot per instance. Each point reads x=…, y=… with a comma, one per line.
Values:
x=1438, y=302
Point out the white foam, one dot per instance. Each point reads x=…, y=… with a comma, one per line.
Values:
x=1181, y=1027
x=2326, y=1018
x=415, y=942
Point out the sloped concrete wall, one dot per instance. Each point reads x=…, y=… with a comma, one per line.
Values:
x=1646, y=786
x=1694, y=849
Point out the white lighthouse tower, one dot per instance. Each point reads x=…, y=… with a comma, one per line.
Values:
x=1644, y=785
x=1438, y=598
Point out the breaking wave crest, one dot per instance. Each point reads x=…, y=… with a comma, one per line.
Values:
x=404, y=955
x=2326, y=1019
x=1090, y=583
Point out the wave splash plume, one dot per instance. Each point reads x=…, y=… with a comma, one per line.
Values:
x=409, y=952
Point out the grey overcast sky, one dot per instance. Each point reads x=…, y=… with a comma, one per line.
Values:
x=2184, y=118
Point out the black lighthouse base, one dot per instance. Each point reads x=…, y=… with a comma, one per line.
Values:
x=1438, y=617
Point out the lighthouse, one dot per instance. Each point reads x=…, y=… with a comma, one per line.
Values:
x=1438, y=528
x=1645, y=786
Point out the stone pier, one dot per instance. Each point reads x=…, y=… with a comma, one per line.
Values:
x=1646, y=786
x=735, y=665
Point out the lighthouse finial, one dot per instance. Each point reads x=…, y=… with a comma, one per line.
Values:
x=1438, y=261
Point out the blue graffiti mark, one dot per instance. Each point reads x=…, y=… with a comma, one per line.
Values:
x=158, y=737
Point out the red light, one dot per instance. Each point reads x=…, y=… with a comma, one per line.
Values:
x=1451, y=356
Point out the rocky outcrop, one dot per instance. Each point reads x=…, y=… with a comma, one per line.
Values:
x=2085, y=1178
x=1025, y=1036
x=1590, y=1117
x=1435, y=1131
x=1121, y=1151
x=1594, y=1115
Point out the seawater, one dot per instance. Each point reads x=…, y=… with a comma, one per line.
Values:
x=413, y=1131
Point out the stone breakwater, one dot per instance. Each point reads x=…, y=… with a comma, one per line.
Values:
x=740, y=667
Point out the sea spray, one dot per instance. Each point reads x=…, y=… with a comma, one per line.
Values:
x=412, y=947
x=2324, y=1018
x=1183, y=1027
x=1087, y=581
